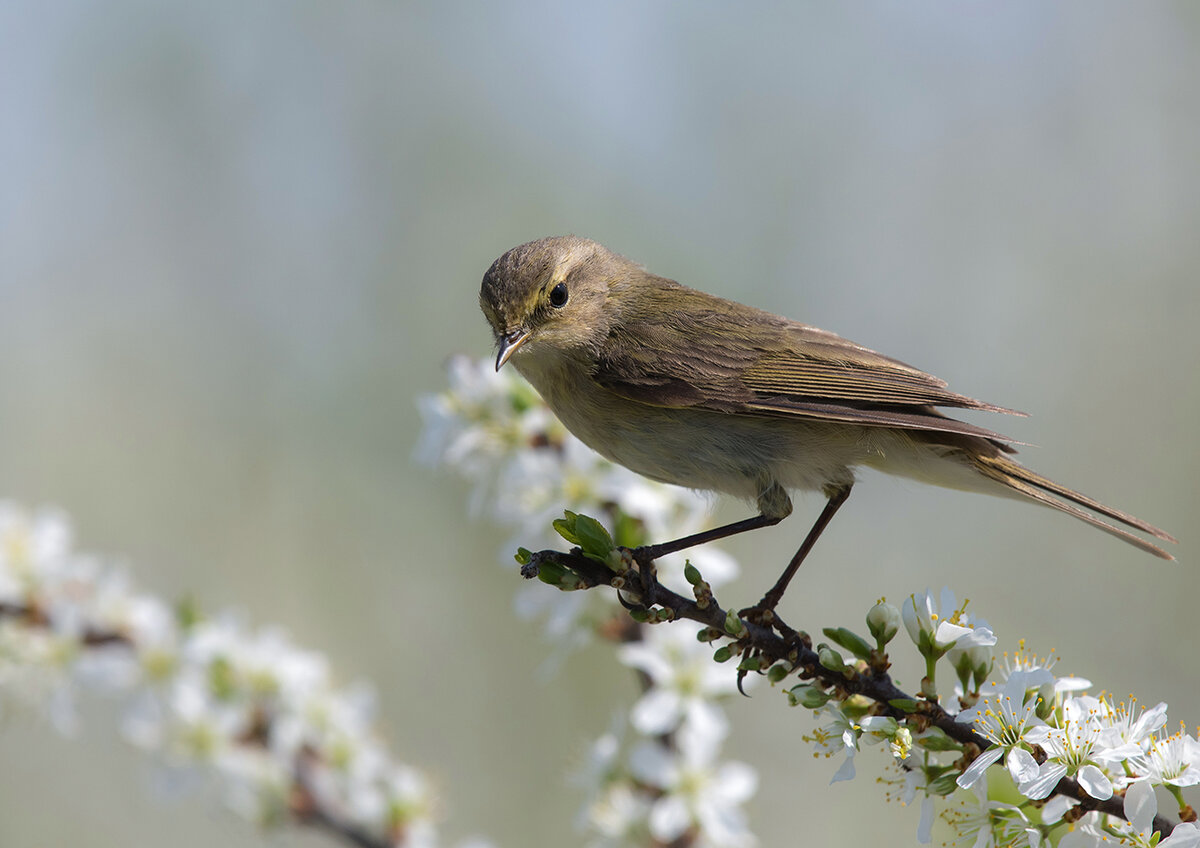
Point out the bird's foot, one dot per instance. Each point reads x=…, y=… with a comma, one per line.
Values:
x=763, y=614
x=646, y=582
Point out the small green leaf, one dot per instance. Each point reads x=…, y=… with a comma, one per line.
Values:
x=905, y=705
x=723, y=653
x=593, y=538
x=692, y=574
x=524, y=556
x=565, y=526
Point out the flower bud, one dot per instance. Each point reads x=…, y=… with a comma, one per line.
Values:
x=883, y=620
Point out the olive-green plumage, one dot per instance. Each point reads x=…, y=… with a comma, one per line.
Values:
x=689, y=388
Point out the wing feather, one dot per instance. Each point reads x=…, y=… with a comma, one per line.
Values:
x=697, y=352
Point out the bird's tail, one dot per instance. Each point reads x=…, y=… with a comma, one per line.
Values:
x=1020, y=479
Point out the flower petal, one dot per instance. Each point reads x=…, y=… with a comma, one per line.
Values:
x=1056, y=808
x=658, y=711
x=1140, y=805
x=925, y=827
x=651, y=763
x=976, y=770
x=1040, y=787
x=1095, y=782
x=846, y=772
x=737, y=782
x=1021, y=765
x=669, y=818
x=1185, y=835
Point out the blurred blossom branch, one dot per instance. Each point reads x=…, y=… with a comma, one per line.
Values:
x=214, y=700
x=1071, y=769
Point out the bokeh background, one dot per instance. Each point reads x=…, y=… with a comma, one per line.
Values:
x=238, y=240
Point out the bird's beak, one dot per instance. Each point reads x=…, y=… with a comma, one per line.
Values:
x=509, y=343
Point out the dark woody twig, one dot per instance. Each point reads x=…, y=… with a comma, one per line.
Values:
x=795, y=648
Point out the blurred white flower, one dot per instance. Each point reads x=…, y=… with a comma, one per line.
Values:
x=684, y=682
x=255, y=786
x=210, y=697
x=33, y=549
x=619, y=815
x=696, y=791
x=411, y=806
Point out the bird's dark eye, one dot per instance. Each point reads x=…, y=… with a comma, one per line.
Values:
x=558, y=296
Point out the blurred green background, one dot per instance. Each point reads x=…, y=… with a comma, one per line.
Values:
x=237, y=240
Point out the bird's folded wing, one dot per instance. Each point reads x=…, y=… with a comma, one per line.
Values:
x=706, y=358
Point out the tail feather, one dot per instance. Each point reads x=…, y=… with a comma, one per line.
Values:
x=1033, y=485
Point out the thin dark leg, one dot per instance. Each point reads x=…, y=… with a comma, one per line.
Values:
x=645, y=555
x=769, y=601
x=656, y=551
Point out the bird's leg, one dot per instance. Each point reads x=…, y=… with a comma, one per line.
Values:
x=764, y=610
x=773, y=506
x=656, y=551
x=645, y=555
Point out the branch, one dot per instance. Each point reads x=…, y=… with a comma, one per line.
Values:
x=794, y=649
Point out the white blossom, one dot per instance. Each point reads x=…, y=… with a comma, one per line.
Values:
x=684, y=681
x=1172, y=760
x=1006, y=720
x=943, y=626
x=696, y=791
x=1074, y=747
x=1037, y=669
x=983, y=823
x=839, y=736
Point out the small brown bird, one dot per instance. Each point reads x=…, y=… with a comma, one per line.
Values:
x=689, y=388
